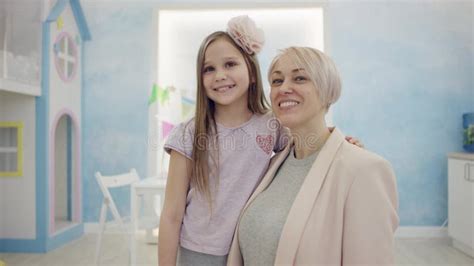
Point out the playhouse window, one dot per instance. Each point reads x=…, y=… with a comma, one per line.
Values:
x=65, y=56
x=11, y=148
x=20, y=46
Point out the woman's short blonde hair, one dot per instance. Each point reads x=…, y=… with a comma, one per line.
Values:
x=321, y=70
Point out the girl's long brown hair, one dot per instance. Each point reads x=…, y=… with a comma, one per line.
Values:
x=205, y=144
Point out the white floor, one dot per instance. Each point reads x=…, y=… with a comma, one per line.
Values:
x=81, y=252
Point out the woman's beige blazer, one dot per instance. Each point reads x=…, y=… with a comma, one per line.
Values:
x=344, y=214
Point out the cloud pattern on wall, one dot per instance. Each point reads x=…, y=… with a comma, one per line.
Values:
x=117, y=78
x=407, y=79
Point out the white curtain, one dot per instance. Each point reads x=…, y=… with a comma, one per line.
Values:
x=20, y=41
x=8, y=158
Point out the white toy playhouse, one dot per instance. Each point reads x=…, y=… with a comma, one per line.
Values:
x=41, y=63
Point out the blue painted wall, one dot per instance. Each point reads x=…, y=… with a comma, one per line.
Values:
x=407, y=78
x=117, y=79
x=407, y=73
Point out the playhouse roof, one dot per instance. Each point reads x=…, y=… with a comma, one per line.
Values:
x=78, y=15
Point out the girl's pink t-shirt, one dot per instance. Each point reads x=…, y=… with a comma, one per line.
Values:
x=244, y=155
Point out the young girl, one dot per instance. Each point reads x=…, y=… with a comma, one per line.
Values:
x=219, y=156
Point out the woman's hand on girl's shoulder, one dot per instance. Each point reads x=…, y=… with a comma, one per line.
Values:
x=354, y=141
x=350, y=139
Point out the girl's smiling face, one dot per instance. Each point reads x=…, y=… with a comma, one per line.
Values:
x=225, y=74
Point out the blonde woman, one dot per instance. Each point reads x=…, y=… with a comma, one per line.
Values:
x=323, y=201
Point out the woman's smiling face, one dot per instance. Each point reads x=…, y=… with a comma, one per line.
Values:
x=294, y=97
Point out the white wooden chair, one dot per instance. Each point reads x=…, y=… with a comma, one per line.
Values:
x=106, y=183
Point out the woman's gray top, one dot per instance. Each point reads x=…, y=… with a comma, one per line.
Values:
x=262, y=222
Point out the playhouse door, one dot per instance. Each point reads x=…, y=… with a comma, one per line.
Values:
x=63, y=173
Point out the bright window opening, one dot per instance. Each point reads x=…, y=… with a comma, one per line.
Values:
x=180, y=33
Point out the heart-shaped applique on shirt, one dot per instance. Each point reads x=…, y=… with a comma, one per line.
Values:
x=265, y=142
